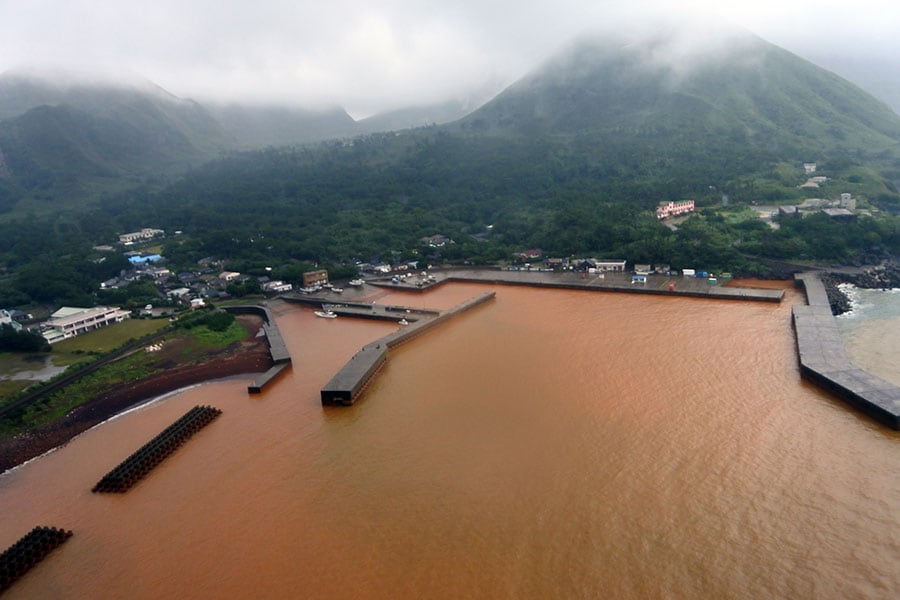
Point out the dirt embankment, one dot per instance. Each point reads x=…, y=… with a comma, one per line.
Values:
x=248, y=356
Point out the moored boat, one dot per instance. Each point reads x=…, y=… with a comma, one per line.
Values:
x=326, y=314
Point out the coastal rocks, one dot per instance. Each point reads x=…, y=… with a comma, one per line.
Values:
x=837, y=299
x=882, y=277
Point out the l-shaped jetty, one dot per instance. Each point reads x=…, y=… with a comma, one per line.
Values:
x=824, y=360
x=348, y=383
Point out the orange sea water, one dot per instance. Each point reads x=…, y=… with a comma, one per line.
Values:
x=549, y=444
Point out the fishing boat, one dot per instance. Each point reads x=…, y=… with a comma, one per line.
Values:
x=355, y=282
x=326, y=312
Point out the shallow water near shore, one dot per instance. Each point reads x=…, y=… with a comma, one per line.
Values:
x=549, y=444
x=872, y=330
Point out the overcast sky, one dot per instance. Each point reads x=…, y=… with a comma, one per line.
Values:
x=373, y=55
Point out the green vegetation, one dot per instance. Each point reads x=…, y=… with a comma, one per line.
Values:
x=205, y=337
x=12, y=340
x=57, y=404
x=11, y=387
x=195, y=343
x=572, y=160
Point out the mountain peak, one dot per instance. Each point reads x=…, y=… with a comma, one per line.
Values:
x=706, y=82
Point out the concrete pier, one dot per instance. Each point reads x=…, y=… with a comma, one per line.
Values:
x=663, y=285
x=348, y=383
x=365, y=310
x=824, y=360
x=277, y=348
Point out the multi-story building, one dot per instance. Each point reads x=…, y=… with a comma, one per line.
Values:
x=671, y=209
x=144, y=234
x=312, y=278
x=69, y=321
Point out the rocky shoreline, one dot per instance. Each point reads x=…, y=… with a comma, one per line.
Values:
x=882, y=277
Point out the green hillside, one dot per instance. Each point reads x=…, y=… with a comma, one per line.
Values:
x=745, y=96
x=61, y=145
x=572, y=159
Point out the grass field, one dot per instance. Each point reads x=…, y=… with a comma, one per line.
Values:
x=109, y=338
x=9, y=387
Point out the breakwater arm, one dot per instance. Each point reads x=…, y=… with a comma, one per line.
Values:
x=277, y=348
x=824, y=360
x=348, y=383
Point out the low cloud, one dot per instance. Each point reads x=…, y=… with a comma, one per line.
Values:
x=376, y=55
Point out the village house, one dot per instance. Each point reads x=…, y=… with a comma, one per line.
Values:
x=617, y=265
x=6, y=318
x=530, y=254
x=276, y=287
x=642, y=269
x=436, y=241
x=557, y=264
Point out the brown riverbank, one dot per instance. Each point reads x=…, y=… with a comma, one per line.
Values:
x=250, y=355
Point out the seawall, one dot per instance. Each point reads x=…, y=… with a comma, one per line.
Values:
x=824, y=360
x=277, y=348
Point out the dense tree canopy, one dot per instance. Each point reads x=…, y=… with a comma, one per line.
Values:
x=285, y=211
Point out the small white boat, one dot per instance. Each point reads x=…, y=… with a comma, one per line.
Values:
x=356, y=282
x=337, y=290
x=403, y=322
x=326, y=314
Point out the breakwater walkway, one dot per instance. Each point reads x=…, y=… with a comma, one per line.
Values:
x=824, y=360
x=346, y=385
x=668, y=285
x=277, y=348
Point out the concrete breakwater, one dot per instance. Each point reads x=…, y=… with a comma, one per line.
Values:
x=28, y=551
x=277, y=348
x=348, y=383
x=824, y=360
x=139, y=464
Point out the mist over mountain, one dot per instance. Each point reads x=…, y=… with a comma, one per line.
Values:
x=725, y=88
x=878, y=75
x=59, y=128
x=689, y=107
x=251, y=126
x=56, y=133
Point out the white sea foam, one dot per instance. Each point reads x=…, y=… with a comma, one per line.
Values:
x=852, y=293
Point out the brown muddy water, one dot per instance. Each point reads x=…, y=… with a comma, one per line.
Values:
x=549, y=444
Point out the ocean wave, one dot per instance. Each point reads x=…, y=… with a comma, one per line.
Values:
x=870, y=304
